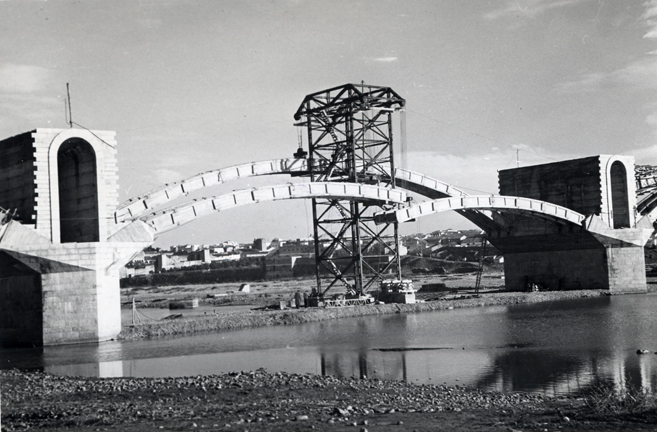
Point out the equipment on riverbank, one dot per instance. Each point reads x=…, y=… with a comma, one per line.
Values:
x=340, y=300
x=397, y=291
x=349, y=300
x=390, y=291
x=184, y=304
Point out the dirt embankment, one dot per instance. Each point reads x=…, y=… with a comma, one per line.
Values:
x=259, y=318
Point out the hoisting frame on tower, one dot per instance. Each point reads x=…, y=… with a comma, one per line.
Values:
x=350, y=139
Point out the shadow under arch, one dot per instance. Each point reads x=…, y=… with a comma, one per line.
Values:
x=619, y=195
x=78, y=192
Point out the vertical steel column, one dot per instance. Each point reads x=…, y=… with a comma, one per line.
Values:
x=392, y=181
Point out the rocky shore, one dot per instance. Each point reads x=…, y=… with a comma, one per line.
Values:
x=262, y=401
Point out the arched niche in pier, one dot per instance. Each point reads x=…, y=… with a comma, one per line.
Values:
x=78, y=192
x=619, y=195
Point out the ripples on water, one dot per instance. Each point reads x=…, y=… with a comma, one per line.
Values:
x=560, y=347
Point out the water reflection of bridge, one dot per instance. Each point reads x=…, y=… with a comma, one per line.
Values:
x=516, y=371
x=542, y=371
x=594, y=352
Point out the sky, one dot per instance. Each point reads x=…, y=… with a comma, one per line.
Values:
x=191, y=86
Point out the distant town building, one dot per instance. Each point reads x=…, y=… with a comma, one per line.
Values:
x=291, y=258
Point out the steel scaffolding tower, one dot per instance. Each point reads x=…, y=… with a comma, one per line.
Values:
x=349, y=130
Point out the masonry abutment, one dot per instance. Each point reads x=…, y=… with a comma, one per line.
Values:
x=59, y=259
x=607, y=252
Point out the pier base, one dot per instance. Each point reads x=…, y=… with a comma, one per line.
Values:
x=60, y=293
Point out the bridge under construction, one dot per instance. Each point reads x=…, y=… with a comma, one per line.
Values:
x=576, y=224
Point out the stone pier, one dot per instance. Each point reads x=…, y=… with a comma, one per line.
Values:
x=605, y=252
x=60, y=252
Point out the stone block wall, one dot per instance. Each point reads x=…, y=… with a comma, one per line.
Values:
x=51, y=292
x=566, y=270
x=70, y=307
x=108, y=175
x=613, y=268
x=17, y=177
x=619, y=191
x=108, y=296
x=574, y=184
x=41, y=139
x=42, y=185
x=584, y=185
x=79, y=286
x=627, y=269
x=21, y=319
x=605, y=252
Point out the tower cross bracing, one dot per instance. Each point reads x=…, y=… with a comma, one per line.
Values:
x=350, y=139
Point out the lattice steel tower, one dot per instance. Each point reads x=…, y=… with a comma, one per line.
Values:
x=349, y=130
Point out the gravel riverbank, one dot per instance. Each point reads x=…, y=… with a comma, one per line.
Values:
x=261, y=401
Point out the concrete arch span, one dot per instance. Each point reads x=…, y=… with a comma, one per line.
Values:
x=504, y=204
x=150, y=201
x=649, y=216
x=425, y=185
x=176, y=216
x=135, y=207
x=645, y=177
x=646, y=202
x=646, y=192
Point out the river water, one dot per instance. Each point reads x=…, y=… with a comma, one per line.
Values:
x=558, y=347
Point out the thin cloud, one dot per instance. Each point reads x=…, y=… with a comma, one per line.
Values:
x=528, y=8
x=586, y=84
x=22, y=112
x=520, y=147
x=386, y=59
x=17, y=78
x=477, y=173
x=640, y=74
x=26, y=101
x=645, y=155
x=177, y=160
x=650, y=16
x=651, y=120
